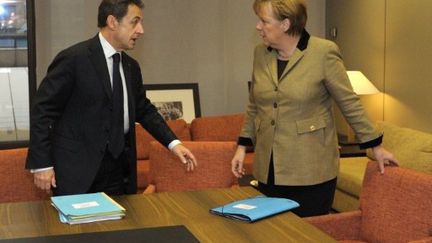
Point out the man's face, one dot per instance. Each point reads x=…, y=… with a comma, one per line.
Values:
x=129, y=29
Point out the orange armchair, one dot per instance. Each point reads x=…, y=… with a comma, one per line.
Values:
x=222, y=128
x=143, y=139
x=167, y=173
x=17, y=182
x=394, y=207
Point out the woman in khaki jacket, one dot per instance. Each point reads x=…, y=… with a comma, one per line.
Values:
x=289, y=119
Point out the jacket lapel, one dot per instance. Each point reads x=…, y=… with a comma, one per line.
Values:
x=98, y=59
x=295, y=58
x=271, y=59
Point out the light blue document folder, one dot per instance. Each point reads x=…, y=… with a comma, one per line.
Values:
x=256, y=208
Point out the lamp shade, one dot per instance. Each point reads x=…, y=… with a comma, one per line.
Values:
x=361, y=85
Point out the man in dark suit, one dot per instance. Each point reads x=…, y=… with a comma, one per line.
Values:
x=82, y=136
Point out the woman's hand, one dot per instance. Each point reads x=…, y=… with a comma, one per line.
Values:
x=384, y=157
x=237, y=161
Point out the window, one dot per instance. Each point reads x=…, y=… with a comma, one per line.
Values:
x=17, y=75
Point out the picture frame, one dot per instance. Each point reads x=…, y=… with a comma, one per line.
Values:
x=175, y=100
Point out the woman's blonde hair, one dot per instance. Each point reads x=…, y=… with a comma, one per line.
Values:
x=293, y=10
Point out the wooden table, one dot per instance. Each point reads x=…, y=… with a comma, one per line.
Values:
x=191, y=209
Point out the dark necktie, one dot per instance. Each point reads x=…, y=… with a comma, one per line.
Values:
x=116, y=140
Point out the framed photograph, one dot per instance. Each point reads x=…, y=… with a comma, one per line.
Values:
x=175, y=101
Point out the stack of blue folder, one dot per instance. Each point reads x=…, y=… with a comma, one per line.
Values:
x=86, y=208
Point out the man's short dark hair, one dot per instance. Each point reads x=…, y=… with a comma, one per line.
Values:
x=116, y=8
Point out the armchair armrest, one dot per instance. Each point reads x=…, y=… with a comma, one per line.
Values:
x=150, y=189
x=341, y=226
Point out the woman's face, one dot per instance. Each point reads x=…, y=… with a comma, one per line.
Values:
x=270, y=29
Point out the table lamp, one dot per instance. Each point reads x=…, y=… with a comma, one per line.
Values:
x=361, y=86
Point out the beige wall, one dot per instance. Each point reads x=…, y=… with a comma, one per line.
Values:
x=408, y=69
x=211, y=42
x=361, y=41
x=205, y=41
x=389, y=40
x=59, y=24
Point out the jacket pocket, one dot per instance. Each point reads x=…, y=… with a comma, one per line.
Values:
x=310, y=125
x=311, y=132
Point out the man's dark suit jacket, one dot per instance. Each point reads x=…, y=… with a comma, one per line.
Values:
x=71, y=117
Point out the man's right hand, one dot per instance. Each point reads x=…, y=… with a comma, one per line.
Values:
x=45, y=179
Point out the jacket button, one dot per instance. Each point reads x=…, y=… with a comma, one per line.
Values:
x=272, y=122
x=312, y=128
x=275, y=105
x=276, y=89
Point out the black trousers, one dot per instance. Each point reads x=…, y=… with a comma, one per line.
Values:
x=313, y=199
x=111, y=177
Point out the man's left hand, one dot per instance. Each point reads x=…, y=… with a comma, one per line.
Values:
x=185, y=156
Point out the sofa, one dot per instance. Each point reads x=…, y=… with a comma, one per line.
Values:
x=209, y=128
x=412, y=148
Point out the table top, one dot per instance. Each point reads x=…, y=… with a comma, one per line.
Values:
x=191, y=209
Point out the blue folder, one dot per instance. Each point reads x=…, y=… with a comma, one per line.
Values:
x=255, y=208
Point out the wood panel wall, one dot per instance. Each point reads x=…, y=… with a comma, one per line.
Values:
x=389, y=41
